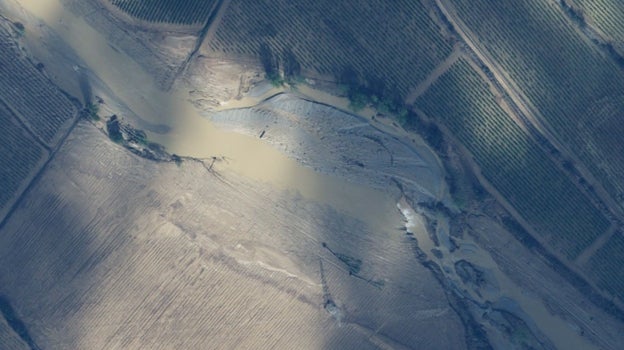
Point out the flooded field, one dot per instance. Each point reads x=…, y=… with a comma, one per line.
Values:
x=309, y=229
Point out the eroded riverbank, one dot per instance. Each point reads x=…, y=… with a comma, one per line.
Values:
x=341, y=176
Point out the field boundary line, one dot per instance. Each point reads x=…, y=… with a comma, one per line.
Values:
x=206, y=33
x=24, y=124
x=39, y=173
x=526, y=115
x=588, y=252
x=437, y=72
x=143, y=24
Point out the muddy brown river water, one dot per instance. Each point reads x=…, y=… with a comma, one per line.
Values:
x=191, y=134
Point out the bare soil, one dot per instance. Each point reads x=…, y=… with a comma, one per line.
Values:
x=290, y=223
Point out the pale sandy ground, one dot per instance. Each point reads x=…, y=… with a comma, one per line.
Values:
x=132, y=254
x=125, y=253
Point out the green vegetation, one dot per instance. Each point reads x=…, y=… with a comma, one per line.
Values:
x=371, y=91
x=578, y=90
x=512, y=162
x=606, y=15
x=271, y=65
x=19, y=27
x=31, y=95
x=137, y=136
x=113, y=128
x=396, y=40
x=19, y=154
x=92, y=111
x=176, y=159
x=165, y=11
x=606, y=266
x=429, y=131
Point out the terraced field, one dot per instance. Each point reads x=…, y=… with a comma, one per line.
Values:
x=577, y=89
x=166, y=11
x=29, y=94
x=396, y=41
x=512, y=162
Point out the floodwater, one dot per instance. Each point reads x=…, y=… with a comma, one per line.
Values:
x=193, y=135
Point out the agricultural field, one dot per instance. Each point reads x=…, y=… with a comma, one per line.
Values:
x=27, y=92
x=394, y=41
x=605, y=15
x=281, y=219
x=578, y=89
x=606, y=266
x=9, y=339
x=19, y=156
x=512, y=162
x=162, y=256
x=186, y=12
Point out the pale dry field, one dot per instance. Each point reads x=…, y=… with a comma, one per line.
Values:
x=110, y=250
x=296, y=239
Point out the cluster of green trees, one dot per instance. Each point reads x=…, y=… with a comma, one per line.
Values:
x=282, y=68
x=362, y=91
x=114, y=129
x=371, y=90
x=92, y=111
x=19, y=28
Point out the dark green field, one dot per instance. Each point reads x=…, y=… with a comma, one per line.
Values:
x=164, y=11
x=396, y=43
x=578, y=90
x=606, y=265
x=575, y=85
x=19, y=154
x=512, y=162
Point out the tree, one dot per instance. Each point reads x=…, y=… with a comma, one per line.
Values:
x=269, y=63
x=114, y=129
x=19, y=28
x=92, y=111
x=292, y=68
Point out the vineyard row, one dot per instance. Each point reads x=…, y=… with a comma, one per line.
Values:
x=565, y=77
x=30, y=94
x=512, y=162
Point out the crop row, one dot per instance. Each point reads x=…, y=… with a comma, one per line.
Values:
x=396, y=41
x=512, y=162
x=30, y=94
x=19, y=154
x=606, y=266
x=166, y=11
x=563, y=75
x=606, y=15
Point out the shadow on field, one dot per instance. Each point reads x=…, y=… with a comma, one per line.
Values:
x=69, y=244
x=15, y=323
x=379, y=293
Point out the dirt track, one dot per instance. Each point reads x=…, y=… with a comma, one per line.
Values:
x=530, y=119
x=189, y=257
